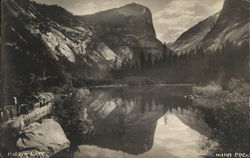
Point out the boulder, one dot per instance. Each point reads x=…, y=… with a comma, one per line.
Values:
x=47, y=137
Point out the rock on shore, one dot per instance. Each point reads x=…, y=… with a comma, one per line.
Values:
x=47, y=137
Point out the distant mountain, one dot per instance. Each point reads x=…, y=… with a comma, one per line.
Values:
x=127, y=30
x=192, y=37
x=47, y=38
x=231, y=25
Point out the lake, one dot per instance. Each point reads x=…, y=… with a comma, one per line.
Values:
x=147, y=122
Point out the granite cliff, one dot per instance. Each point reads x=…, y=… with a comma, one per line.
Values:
x=230, y=26
x=49, y=39
x=192, y=37
x=127, y=30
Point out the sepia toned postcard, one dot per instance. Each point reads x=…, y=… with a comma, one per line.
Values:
x=125, y=79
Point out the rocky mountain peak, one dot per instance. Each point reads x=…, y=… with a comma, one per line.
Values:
x=134, y=9
x=240, y=5
x=237, y=10
x=231, y=25
x=131, y=18
x=127, y=30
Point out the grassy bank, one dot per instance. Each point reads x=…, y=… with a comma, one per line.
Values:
x=236, y=93
x=228, y=113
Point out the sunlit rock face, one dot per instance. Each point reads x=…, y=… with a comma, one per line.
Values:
x=49, y=34
x=128, y=30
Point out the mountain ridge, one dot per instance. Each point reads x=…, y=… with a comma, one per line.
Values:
x=231, y=26
x=127, y=30
x=72, y=45
x=193, y=36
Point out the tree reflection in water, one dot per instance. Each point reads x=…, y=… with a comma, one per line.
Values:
x=126, y=120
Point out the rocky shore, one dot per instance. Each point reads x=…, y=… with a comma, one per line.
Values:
x=47, y=137
x=34, y=134
x=44, y=139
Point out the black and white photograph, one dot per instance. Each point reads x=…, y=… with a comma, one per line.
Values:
x=125, y=79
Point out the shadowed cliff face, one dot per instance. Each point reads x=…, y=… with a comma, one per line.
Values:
x=127, y=30
x=130, y=19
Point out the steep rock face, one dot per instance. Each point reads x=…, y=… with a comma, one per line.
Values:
x=47, y=137
x=238, y=9
x=192, y=37
x=232, y=25
x=49, y=38
x=124, y=18
x=44, y=38
x=127, y=30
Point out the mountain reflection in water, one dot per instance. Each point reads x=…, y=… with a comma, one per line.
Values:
x=145, y=122
x=171, y=140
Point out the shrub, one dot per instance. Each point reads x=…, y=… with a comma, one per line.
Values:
x=233, y=84
x=72, y=115
x=233, y=128
x=56, y=90
x=210, y=90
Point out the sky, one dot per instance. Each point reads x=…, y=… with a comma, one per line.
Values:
x=171, y=17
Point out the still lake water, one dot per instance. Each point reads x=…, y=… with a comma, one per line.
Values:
x=146, y=122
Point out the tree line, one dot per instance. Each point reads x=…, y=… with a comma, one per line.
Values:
x=196, y=65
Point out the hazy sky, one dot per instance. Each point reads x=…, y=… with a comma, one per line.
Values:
x=171, y=17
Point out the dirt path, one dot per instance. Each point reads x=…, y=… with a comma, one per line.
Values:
x=39, y=112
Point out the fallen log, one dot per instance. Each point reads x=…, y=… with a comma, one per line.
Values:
x=24, y=120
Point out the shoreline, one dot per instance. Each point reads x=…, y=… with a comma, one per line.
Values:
x=144, y=85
